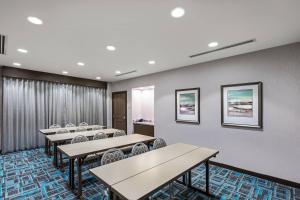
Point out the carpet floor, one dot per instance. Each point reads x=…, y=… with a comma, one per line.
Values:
x=30, y=175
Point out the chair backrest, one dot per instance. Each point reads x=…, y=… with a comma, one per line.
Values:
x=63, y=130
x=99, y=135
x=112, y=155
x=119, y=133
x=97, y=128
x=55, y=126
x=70, y=125
x=80, y=129
x=159, y=143
x=79, y=138
x=139, y=148
x=83, y=124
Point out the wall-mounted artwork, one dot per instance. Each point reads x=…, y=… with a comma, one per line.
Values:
x=241, y=105
x=187, y=105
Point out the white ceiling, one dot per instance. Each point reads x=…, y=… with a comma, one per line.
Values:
x=141, y=30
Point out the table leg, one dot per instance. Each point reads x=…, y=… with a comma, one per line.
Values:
x=189, y=182
x=71, y=173
x=46, y=145
x=111, y=195
x=207, y=176
x=49, y=148
x=79, y=164
x=184, y=179
x=61, y=164
x=55, y=162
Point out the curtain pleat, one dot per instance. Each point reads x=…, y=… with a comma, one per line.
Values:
x=29, y=106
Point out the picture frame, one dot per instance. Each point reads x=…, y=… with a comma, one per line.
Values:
x=242, y=105
x=187, y=105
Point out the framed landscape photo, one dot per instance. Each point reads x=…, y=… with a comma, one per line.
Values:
x=241, y=105
x=187, y=105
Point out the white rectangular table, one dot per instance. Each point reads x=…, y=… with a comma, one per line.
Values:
x=51, y=131
x=57, y=139
x=80, y=150
x=139, y=182
x=111, y=174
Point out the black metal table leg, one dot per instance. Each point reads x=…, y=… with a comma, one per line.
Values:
x=55, y=162
x=189, y=183
x=61, y=163
x=207, y=176
x=71, y=173
x=79, y=164
x=46, y=145
x=184, y=179
x=49, y=148
x=111, y=195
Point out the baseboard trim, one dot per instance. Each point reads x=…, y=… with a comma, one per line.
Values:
x=259, y=175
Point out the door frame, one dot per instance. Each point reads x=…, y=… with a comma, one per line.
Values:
x=112, y=105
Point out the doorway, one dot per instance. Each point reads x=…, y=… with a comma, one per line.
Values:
x=119, y=110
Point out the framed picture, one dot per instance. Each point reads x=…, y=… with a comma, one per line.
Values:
x=187, y=105
x=241, y=105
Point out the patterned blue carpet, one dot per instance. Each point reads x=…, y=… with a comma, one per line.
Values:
x=30, y=175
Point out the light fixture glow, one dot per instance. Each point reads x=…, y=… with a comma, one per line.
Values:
x=64, y=72
x=151, y=62
x=16, y=64
x=118, y=72
x=110, y=48
x=98, y=77
x=178, y=12
x=213, y=44
x=80, y=64
x=35, y=20
x=22, y=50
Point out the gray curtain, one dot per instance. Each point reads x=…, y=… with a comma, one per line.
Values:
x=32, y=105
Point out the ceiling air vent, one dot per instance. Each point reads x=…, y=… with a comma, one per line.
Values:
x=223, y=48
x=2, y=44
x=125, y=73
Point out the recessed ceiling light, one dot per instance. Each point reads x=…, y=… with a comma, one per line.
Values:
x=80, y=64
x=177, y=12
x=23, y=50
x=16, y=64
x=118, y=72
x=64, y=72
x=213, y=44
x=98, y=77
x=110, y=48
x=35, y=20
x=151, y=62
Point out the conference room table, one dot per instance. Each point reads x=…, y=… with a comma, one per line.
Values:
x=57, y=139
x=79, y=151
x=50, y=131
x=140, y=176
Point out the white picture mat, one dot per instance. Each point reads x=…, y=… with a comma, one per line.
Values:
x=188, y=117
x=251, y=121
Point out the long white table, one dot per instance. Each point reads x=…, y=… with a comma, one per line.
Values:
x=79, y=151
x=51, y=131
x=111, y=174
x=139, y=176
x=57, y=139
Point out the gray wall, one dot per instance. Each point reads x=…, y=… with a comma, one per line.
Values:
x=274, y=151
